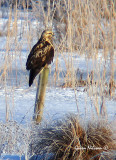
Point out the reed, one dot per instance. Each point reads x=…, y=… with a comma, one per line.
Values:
x=82, y=28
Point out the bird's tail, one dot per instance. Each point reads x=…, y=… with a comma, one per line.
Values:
x=33, y=74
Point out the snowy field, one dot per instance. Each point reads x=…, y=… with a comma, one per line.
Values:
x=20, y=99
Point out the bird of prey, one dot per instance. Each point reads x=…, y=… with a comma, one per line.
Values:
x=40, y=55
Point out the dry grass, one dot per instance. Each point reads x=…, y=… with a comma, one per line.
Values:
x=14, y=138
x=86, y=27
x=82, y=28
x=69, y=140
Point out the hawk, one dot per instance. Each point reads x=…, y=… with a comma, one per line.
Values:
x=40, y=55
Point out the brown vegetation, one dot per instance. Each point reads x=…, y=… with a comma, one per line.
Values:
x=70, y=140
x=85, y=27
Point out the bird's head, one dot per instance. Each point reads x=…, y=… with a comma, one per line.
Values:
x=47, y=35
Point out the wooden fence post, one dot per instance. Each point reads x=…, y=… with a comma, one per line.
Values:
x=40, y=95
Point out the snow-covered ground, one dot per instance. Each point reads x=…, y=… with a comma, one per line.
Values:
x=58, y=102
x=20, y=99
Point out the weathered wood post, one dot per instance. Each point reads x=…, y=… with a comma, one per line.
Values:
x=40, y=95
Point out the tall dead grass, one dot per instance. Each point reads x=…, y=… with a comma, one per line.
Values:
x=89, y=29
x=85, y=28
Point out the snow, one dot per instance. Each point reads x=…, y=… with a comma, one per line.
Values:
x=20, y=99
x=11, y=157
x=58, y=102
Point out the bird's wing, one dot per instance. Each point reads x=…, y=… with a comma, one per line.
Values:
x=41, y=54
x=38, y=58
x=37, y=49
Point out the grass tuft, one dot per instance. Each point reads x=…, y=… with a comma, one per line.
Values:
x=68, y=139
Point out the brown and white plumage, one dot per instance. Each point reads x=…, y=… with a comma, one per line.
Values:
x=41, y=55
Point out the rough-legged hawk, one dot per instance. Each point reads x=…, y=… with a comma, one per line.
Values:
x=41, y=55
